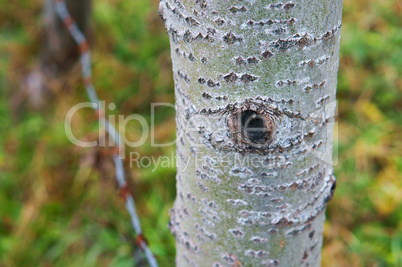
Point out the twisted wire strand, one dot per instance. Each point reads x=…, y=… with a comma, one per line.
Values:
x=85, y=61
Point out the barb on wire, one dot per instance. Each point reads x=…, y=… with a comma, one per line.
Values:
x=85, y=60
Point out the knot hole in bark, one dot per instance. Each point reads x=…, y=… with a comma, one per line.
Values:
x=254, y=127
x=250, y=127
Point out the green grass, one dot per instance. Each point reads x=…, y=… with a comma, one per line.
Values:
x=59, y=205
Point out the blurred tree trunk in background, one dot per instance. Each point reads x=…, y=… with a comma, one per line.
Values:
x=255, y=85
x=58, y=52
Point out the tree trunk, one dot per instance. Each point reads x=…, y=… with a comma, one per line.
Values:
x=58, y=52
x=254, y=83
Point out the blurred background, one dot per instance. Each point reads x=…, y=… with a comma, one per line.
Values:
x=59, y=204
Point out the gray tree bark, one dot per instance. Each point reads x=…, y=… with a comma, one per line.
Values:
x=255, y=85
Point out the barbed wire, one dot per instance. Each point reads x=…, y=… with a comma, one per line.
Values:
x=85, y=61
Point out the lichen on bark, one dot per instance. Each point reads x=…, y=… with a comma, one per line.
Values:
x=255, y=85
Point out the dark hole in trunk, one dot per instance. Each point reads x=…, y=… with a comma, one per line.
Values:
x=254, y=126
